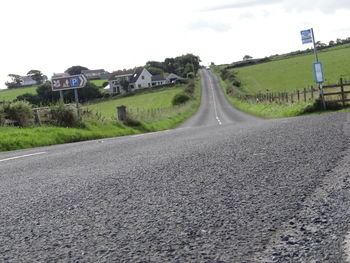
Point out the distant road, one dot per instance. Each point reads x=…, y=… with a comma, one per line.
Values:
x=215, y=109
x=245, y=190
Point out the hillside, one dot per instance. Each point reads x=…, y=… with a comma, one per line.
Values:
x=290, y=73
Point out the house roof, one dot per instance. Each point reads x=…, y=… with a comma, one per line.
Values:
x=120, y=73
x=158, y=78
x=136, y=75
x=173, y=76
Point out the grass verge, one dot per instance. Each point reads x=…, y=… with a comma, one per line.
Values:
x=14, y=138
x=265, y=110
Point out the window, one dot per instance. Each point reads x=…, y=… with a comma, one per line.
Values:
x=139, y=86
x=143, y=77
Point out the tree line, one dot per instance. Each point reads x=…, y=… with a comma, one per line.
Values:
x=183, y=66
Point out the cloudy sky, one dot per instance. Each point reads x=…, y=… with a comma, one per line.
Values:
x=52, y=35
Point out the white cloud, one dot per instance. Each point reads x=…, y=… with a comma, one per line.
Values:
x=53, y=35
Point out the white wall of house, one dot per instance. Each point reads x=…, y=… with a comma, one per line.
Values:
x=144, y=80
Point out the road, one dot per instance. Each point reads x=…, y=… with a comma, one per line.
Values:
x=245, y=190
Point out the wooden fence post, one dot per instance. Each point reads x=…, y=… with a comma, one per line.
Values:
x=37, y=117
x=342, y=91
x=287, y=97
x=292, y=98
x=298, y=93
x=304, y=94
x=121, y=113
x=312, y=92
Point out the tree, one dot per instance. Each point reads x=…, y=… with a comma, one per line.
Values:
x=155, y=71
x=75, y=70
x=15, y=81
x=125, y=84
x=37, y=76
x=247, y=57
x=331, y=43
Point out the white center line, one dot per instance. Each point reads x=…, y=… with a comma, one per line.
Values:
x=22, y=156
x=215, y=109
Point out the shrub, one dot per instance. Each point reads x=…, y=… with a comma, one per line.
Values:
x=31, y=98
x=2, y=114
x=64, y=116
x=190, y=88
x=180, y=98
x=105, y=84
x=20, y=112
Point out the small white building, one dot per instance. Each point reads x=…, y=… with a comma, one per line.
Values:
x=172, y=78
x=27, y=81
x=138, y=79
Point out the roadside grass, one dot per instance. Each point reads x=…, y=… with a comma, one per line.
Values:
x=287, y=75
x=12, y=94
x=14, y=138
x=265, y=110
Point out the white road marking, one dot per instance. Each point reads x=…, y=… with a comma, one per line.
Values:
x=22, y=156
x=347, y=248
x=215, y=109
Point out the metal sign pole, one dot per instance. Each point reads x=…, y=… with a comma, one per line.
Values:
x=77, y=102
x=316, y=58
x=61, y=96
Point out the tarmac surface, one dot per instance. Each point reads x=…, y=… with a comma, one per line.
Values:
x=243, y=190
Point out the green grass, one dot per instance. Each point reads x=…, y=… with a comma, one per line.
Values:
x=98, y=82
x=150, y=100
x=14, y=138
x=12, y=94
x=289, y=74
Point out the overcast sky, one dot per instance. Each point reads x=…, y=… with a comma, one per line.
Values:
x=52, y=35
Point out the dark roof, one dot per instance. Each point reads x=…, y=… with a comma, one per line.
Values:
x=158, y=78
x=136, y=75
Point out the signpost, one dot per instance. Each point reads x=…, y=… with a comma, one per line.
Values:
x=70, y=82
x=307, y=36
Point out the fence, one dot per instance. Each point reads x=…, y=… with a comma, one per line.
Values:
x=335, y=93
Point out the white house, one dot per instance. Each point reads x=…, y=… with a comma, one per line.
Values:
x=138, y=79
x=27, y=81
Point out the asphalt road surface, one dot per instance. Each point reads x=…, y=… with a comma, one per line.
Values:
x=225, y=187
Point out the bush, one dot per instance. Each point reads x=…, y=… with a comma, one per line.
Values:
x=31, y=98
x=180, y=99
x=20, y=112
x=64, y=116
x=105, y=84
x=190, y=88
x=2, y=114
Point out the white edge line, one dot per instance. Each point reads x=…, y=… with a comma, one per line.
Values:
x=21, y=156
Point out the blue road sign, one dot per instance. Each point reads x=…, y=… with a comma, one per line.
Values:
x=318, y=72
x=306, y=36
x=74, y=82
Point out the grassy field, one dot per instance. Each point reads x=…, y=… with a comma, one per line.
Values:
x=289, y=74
x=10, y=95
x=14, y=138
x=149, y=100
